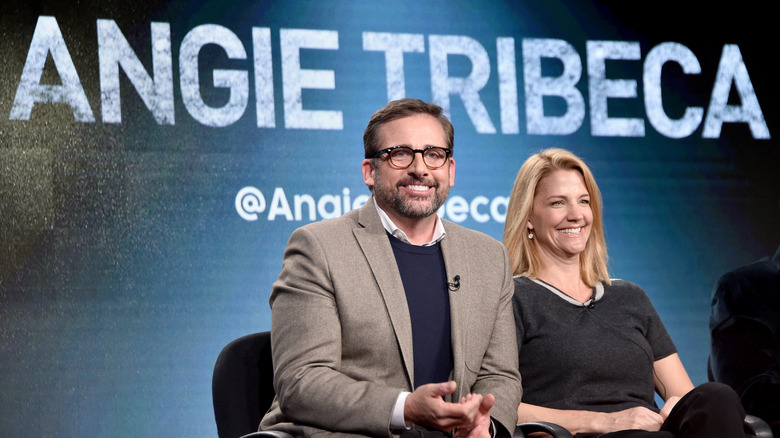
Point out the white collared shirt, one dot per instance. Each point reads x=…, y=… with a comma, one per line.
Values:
x=438, y=231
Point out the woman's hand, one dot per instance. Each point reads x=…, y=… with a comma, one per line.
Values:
x=668, y=406
x=634, y=418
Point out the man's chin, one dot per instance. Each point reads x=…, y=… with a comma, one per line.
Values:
x=417, y=209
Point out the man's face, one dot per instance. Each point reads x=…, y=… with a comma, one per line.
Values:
x=417, y=191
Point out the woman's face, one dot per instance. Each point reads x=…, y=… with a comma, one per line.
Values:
x=561, y=218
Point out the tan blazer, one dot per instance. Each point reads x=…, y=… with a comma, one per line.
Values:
x=342, y=335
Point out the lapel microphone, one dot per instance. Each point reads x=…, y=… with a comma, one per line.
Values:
x=455, y=285
x=592, y=304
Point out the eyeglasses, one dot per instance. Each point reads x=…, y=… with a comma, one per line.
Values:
x=401, y=157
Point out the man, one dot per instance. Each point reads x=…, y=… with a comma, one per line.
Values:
x=745, y=336
x=390, y=320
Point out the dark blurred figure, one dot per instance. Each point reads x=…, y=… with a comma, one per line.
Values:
x=745, y=329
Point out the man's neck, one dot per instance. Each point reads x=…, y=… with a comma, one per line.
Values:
x=419, y=231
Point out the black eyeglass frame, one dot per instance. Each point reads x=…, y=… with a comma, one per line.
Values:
x=389, y=161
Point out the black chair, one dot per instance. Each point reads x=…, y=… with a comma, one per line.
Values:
x=754, y=426
x=242, y=385
x=242, y=391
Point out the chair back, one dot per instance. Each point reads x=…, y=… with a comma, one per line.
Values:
x=242, y=385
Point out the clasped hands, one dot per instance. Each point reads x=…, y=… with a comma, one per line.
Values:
x=470, y=417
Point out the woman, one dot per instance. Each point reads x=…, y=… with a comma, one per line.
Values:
x=593, y=351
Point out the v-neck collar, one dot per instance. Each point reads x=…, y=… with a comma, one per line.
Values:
x=598, y=293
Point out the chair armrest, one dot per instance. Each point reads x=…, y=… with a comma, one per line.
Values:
x=757, y=427
x=553, y=429
x=268, y=434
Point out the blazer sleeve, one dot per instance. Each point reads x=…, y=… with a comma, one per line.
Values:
x=311, y=387
x=499, y=374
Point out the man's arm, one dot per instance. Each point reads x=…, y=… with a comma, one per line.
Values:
x=306, y=336
x=499, y=374
x=746, y=356
x=745, y=353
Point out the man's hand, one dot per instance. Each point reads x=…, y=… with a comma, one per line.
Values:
x=425, y=407
x=481, y=426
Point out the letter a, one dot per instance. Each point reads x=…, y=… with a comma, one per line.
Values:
x=47, y=38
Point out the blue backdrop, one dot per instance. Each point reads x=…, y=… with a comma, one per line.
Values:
x=156, y=155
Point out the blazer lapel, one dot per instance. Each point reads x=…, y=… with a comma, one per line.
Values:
x=373, y=240
x=455, y=250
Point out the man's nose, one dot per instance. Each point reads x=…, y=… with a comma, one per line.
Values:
x=418, y=166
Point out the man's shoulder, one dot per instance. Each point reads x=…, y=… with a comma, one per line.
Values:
x=328, y=226
x=473, y=236
x=743, y=277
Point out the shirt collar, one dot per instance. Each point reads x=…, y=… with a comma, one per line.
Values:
x=598, y=292
x=438, y=231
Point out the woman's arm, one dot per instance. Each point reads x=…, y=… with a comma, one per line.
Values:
x=592, y=422
x=671, y=381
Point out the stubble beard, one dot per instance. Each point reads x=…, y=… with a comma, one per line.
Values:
x=412, y=208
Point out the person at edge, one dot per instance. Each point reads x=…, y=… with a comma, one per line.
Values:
x=745, y=336
x=593, y=351
x=390, y=320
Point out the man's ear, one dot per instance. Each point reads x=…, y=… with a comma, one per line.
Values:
x=452, y=172
x=368, y=172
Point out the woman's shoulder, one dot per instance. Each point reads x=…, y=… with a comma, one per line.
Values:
x=619, y=284
x=625, y=288
x=524, y=283
x=525, y=286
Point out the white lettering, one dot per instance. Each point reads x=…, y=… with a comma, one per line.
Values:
x=507, y=86
x=335, y=206
x=497, y=203
x=299, y=200
x=394, y=45
x=563, y=86
x=359, y=201
x=457, y=209
x=552, y=79
x=732, y=69
x=46, y=39
x=264, y=77
x=249, y=202
x=654, y=106
x=279, y=206
x=601, y=89
x=295, y=79
x=474, y=209
x=236, y=81
x=442, y=85
x=114, y=50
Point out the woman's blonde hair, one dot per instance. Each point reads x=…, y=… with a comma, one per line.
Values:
x=523, y=254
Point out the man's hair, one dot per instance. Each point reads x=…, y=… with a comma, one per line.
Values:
x=523, y=256
x=403, y=108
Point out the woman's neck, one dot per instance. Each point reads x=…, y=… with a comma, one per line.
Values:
x=566, y=278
